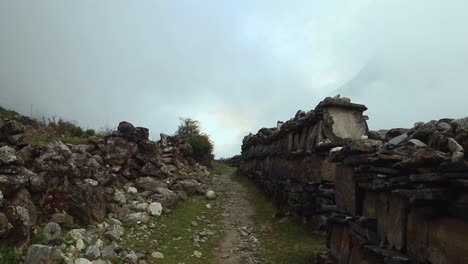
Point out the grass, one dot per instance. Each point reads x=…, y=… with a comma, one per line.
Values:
x=5, y=113
x=44, y=140
x=219, y=168
x=174, y=233
x=9, y=256
x=287, y=241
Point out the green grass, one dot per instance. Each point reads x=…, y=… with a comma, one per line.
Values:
x=220, y=168
x=5, y=113
x=9, y=256
x=174, y=233
x=287, y=241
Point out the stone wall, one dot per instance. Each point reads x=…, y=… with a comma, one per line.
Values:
x=290, y=160
x=397, y=196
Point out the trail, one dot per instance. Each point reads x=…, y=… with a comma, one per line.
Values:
x=239, y=243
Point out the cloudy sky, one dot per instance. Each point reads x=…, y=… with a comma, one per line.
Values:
x=234, y=65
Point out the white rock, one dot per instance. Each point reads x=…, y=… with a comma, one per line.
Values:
x=417, y=143
x=82, y=261
x=210, y=194
x=77, y=233
x=91, y=182
x=101, y=261
x=132, y=190
x=335, y=149
x=197, y=254
x=155, y=209
x=80, y=245
x=119, y=197
x=454, y=146
x=138, y=217
x=208, y=206
x=157, y=255
x=7, y=155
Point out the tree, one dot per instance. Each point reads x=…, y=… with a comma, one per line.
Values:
x=189, y=129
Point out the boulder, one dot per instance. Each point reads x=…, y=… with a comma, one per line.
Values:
x=52, y=231
x=82, y=261
x=134, y=218
x=155, y=209
x=125, y=128
x=87, y=203
x=8, y=156
x=40, y=254
x=118, y=150
x=150, y=184
x=454, y=146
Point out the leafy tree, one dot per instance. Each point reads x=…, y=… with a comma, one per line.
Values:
x=189, y=129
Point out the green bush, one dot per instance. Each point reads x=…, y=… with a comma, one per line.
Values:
x=201, y=143
x=90, y=132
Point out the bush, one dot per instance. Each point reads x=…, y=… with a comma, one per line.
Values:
x=90, y=132
x=201, y=143
x=40, y=238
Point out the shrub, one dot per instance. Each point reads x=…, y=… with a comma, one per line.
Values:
x=40, y=238
x=90, y=132
x=201, y=143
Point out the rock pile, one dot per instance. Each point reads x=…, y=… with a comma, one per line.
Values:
x=396, y=196
x=107, y=185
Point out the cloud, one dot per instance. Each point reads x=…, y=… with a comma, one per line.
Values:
x=236, y=66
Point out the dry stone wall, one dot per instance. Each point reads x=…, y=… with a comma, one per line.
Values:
x=397, y=196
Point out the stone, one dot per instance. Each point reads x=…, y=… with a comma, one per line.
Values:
x=398, y=139
x=118, y=150
x=155, y=209
x=8, y=155
x=62, y=218
x=5, y=226
x=91, y=182
x=197, y=254
x=40, y=254
x=52, y=231
x=460, y=124
x=76, y=234
x=115, y=232
x=137, y=217
x=87, y=203
x=125, y=128
x=119, y=197
x=417, y=143
x=93, y=252
x=80, y=245
x=141, y=207
x=442, y=126
x=210, y=194
x=454, y=146
x=37, y=182
x=101, y=261
x=131, y=258
x=157, y=255
x=150, y=184
x=82, y=261
x=132, y=190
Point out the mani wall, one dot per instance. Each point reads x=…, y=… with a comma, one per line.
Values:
x=396, y=196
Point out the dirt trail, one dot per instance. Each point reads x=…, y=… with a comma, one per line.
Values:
x=239, y=242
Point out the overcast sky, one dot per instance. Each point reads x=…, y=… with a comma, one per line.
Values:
x=236, y=66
